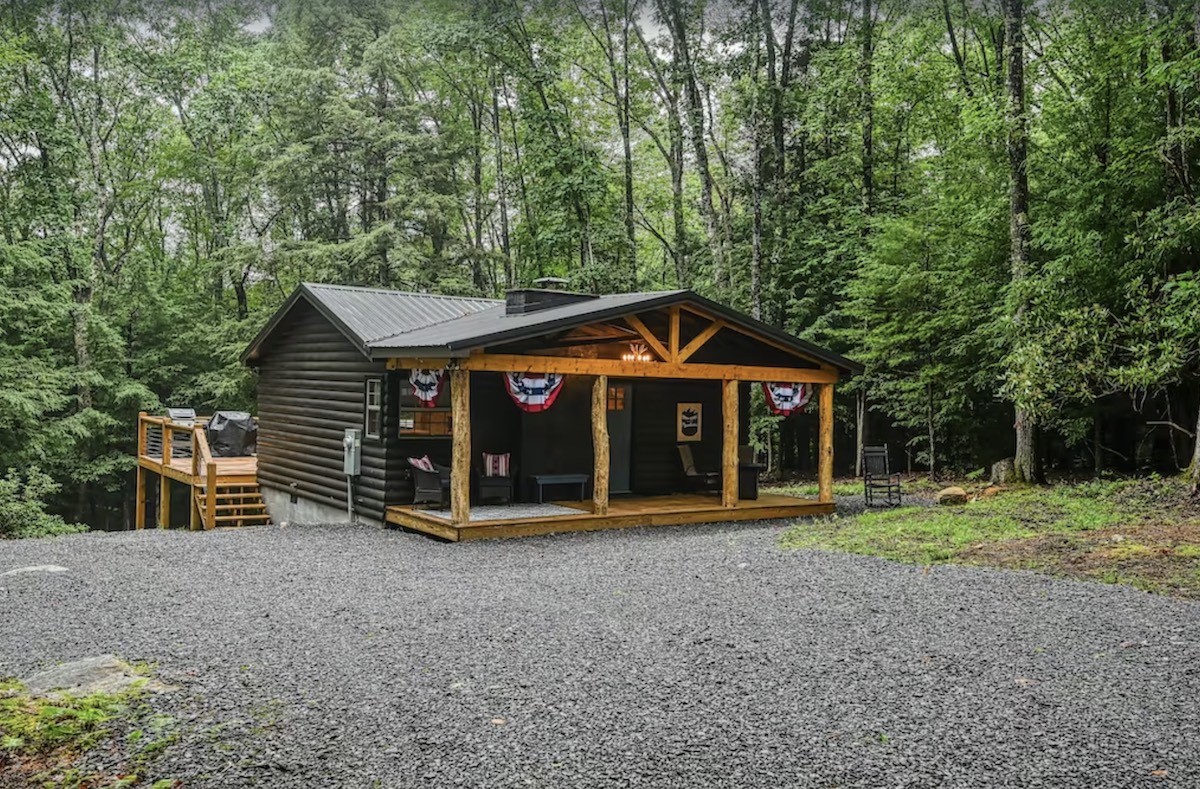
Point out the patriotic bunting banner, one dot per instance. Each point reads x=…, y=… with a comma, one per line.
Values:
x=427, y=385
x=784, y=399
x=533, y=392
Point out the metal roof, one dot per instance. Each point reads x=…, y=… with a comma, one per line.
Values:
x=384, y=323
x=368, y=314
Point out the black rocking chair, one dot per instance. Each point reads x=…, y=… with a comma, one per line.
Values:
x=878, y=477
x=431, y=487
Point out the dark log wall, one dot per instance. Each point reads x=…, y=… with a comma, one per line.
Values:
x=559, y=440
x=311, y=387
x=656, y=464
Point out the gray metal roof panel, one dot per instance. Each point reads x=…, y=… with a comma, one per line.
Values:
x=494, y=325
x=372, y=313
x=365, y=314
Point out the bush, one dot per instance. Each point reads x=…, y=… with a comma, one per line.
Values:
x=23, y=506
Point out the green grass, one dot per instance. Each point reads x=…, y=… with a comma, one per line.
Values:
x=1145, y=533
x=913, y=485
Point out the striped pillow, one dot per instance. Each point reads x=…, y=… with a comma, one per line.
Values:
x=423, y=463
x=495, y=465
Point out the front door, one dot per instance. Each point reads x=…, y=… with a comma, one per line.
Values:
x=620, y=437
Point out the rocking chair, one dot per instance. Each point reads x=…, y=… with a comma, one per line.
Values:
x=877, y=477
x=697, y=480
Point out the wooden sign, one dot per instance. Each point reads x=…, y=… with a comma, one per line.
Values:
x=688, y=420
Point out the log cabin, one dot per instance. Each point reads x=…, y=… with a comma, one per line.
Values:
x=601, y=411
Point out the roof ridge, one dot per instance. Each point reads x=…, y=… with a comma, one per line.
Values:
x=424, y=326
x=392, y=292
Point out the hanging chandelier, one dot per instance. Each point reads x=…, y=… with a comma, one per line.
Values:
x=638, y=352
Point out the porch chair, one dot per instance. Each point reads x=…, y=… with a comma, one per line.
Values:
x=496, y=477
x=697, y=480
x=877, y=477
x=431, y=482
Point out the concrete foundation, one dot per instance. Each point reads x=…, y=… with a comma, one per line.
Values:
x=292, y=509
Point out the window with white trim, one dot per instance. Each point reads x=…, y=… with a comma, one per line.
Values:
x=373, y=417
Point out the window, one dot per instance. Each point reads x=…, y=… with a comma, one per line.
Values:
x=419, y=421
x=616, y=398
x=373, y=421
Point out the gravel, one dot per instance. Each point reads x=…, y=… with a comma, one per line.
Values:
x=677, y=657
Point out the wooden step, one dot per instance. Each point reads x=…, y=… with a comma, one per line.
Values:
x=228, y=518
x=251, y=495
x=259, y=506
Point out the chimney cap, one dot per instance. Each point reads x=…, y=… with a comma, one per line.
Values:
x=551, y=283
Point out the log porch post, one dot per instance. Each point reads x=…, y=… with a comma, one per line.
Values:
x=729, y=444
x=460, y=459
x=825, y=456
x=600, y=445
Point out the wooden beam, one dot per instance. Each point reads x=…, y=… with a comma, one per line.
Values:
x=647, y=335
x=825, y=458
x=616, y=368
x=195, y=523
x=141, y=433
x=699, y=340
x=210, y=495
x=139, y=518
x=673, y=314
x=755, y=336
x=417, y=364
x=600, y=449
x=460, y=459
x=729, y=444
x=164, y=501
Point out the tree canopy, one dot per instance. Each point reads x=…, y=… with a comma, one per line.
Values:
x=849, y=170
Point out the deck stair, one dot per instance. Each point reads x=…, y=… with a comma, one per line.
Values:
x=238, y=504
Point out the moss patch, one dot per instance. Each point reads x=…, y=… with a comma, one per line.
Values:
x=45, y=741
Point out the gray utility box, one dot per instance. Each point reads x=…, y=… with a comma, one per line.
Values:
x=352, y=452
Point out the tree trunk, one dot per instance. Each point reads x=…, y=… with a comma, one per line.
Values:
x=1193, y=472
x=676, y=19
x=1025, y=459
x=860, y=429
x=501, y=188
x=868, y=113
x=756, y=253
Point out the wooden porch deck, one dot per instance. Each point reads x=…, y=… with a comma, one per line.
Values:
x=672, y=510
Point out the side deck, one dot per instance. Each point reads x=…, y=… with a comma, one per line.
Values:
x=222, y=491
x=672, y=510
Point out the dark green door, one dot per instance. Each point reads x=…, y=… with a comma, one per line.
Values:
x=620, y=437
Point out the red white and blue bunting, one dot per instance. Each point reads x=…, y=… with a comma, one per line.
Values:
x=534, y=392
x=785, y=399
x=427, y=385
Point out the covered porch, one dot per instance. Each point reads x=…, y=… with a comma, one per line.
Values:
x=653, y=363
x=567, y=516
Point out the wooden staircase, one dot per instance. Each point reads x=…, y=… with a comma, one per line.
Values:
x=233, y=504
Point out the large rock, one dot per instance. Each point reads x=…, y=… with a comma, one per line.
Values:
x=100, y=674
x=1004, y=472
x=951, y=496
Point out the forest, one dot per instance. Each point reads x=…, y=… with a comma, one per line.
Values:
x=992, y=204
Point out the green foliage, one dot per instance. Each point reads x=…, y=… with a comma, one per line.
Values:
x=23, y=506
x=172, y=173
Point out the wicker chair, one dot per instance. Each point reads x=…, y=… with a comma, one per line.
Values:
x=431, y=487
x=878, y=477
x=495, y=486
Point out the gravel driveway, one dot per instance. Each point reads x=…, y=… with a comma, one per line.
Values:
x=689, y=657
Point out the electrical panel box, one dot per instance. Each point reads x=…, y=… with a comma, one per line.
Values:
x=352, y=452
